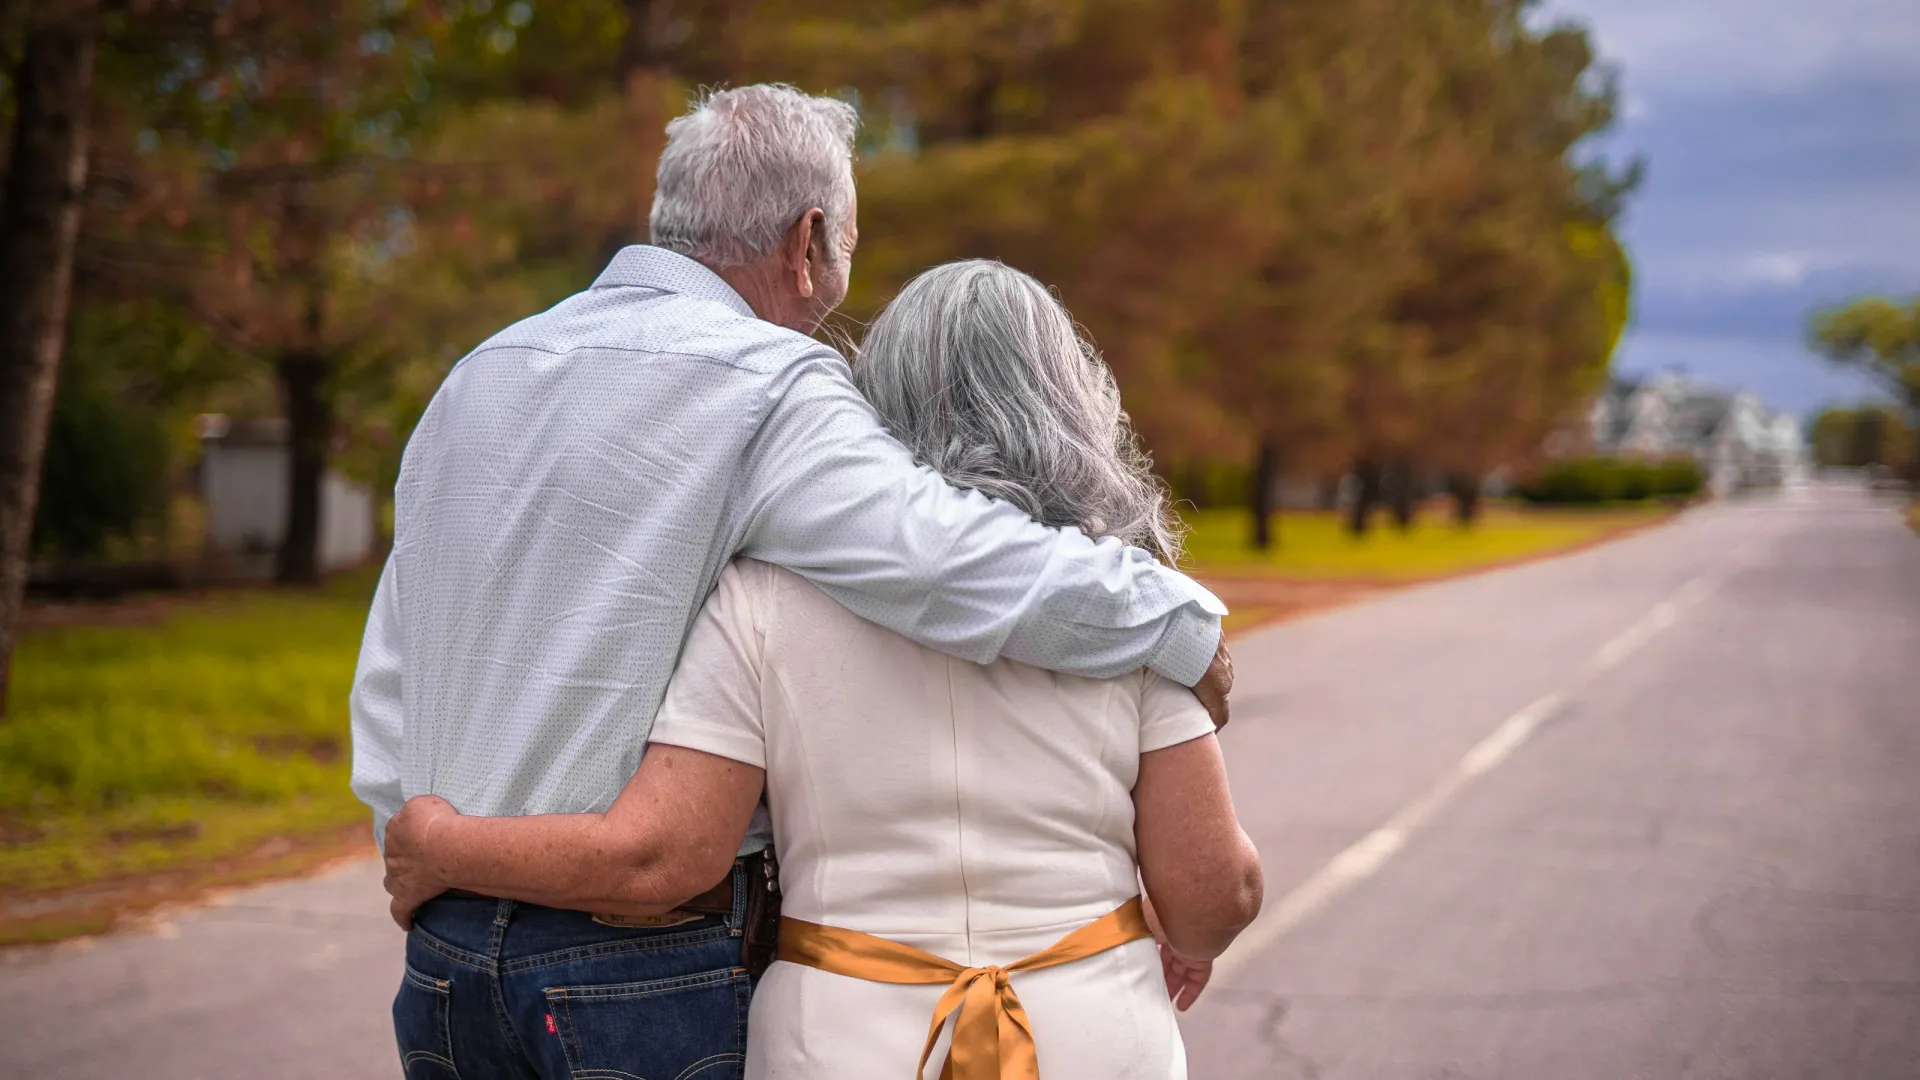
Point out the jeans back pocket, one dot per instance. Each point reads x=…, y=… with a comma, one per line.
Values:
x=422, y=1023
x=693, y=1027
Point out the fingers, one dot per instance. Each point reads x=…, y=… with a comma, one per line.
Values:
x=1194, y=977
x=1214, y=687
x=402, y=913
x=1189, y=994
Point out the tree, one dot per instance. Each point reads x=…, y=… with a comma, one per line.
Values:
x=1879, y=336
x=1868, y=435
x=265, y=151
x=39, y=226
x=1098, y=146
x=1523, y=289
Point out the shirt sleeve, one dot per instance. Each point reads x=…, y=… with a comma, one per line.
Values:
x=713, y=700
x=377, y=708
x=1170, y=715
x=834, y=498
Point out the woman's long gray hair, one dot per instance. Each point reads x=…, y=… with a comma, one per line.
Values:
x=980, y=372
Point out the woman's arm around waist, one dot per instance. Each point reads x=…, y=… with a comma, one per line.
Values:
x=1201, y=873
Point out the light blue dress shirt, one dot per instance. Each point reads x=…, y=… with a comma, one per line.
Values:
x=579, y=481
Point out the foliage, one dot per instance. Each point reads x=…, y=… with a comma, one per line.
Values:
x=1867, y=435
x=104, y=476
x=130, y=748
x=1880, y=336
x=1606, y=479
x=1678, y=478
x=134, y=374
x=1338, y=229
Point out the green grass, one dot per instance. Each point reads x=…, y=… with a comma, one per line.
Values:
x=1313, y=545
x=136, y=748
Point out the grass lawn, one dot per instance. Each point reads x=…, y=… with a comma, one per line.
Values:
x=218, y=733
x=1314, y=546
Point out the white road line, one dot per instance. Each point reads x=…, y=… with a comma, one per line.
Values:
x=1371, y=852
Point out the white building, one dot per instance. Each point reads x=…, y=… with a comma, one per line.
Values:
x=1737, y=443
x=243, y=478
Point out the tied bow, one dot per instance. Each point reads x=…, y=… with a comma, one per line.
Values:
x=992, y=1037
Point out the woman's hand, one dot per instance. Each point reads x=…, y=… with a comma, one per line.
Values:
x=1185, y=977
x=413, y=877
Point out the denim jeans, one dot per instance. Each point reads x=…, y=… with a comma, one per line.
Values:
x=496, y=989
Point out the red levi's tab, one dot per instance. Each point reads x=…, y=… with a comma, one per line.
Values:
x=552, y=1029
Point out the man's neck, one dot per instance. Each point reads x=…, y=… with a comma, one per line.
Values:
x=758, y=283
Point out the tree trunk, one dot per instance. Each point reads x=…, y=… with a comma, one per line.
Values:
x=1403, y=494
x=39, y=227
x=1366, y=495
x=1266, y=474
x=1465, y=489
x=309, y=424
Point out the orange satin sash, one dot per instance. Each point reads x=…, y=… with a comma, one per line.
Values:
x=992, y=1039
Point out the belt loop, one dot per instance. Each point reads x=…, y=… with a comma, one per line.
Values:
x=742, y=884
x=502, y=915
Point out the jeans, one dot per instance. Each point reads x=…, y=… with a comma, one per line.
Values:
x=496, y=989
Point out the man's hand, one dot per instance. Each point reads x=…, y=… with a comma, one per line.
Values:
x=1216, y=684
x=413, y=877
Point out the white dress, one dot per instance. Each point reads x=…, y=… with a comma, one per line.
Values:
x=977, y=812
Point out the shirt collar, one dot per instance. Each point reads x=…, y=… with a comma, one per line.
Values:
x=650, y=267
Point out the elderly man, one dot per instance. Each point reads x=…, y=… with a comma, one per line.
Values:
x=565, y=506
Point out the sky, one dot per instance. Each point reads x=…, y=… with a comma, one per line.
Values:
x=1782, y=148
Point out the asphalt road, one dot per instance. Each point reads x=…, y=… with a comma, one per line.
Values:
x=1652, y=810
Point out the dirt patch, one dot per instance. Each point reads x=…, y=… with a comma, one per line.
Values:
x=134, y=611
x=53, y=915
x=321, y=751
x=183, y=830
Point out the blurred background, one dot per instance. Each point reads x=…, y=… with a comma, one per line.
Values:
x=1394, y=289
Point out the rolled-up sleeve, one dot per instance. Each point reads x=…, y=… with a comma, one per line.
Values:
x=833, y=497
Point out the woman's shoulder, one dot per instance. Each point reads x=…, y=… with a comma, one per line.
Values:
x=776, y=595
x=763, y=582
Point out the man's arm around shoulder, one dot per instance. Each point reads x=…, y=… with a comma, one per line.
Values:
x=830, y=495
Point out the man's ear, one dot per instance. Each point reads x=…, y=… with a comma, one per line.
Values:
x=806, y=250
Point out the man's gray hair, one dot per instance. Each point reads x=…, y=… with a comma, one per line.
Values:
x=742, y=166
x=981, y=373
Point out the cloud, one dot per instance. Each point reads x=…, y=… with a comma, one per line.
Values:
x=1829, y=177
x=1782, y=141
x=1747, y=46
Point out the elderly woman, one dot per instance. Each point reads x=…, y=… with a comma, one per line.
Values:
x=962, y=847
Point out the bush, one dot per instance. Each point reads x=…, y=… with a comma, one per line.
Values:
x=1576, y=480
x=1635, y=481
x=1678, y=478
x=1592, y=480
x=105, y=473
